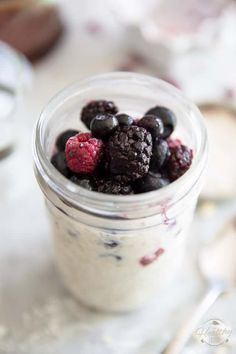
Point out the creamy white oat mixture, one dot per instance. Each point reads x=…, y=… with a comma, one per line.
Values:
x=118, y=271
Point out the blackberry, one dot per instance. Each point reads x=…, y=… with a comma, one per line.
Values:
x=110, y=186
x=93, y=108
x=103, y=125
x=179, y=159
x=82, y=181
x=152, y=181
x=124, y=119
x=160, y=152
x=168, y=119
x=152, y=124
x=59, y=162
x=130, y=150
x=121, y=178
x=63, y=137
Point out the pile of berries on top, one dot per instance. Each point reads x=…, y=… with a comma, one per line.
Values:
x=122, y=155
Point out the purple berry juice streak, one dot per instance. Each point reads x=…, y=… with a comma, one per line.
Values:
x=150, y=258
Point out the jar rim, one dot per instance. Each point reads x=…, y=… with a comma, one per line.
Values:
x=73, y=194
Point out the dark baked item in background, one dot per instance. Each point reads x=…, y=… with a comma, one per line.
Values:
x=30, y=26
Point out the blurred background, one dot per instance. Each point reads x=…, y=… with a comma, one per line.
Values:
x=48, y=44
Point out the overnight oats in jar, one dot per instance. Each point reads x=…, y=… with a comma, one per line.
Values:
x=120, y=159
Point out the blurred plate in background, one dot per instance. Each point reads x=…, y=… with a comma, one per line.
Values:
x=220, y=181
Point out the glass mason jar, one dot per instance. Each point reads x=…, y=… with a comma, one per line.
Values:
x=15, y=79
x=116, y=252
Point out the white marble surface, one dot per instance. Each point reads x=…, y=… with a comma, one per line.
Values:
x=37, y=315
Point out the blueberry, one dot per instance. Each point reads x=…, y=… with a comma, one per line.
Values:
x=160, y=152
x=124, y=119
x=63, y=137
x=152, y=181
x=59, y=162
x=152, y=124
x=168, y=119
x=82, y=182
x=103, y=125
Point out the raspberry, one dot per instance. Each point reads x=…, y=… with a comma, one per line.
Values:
x=179, y=159
x=130, y=150
x=173, y=143
x=94, y=108
x=83, y=153
x=110, y=186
